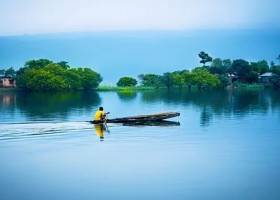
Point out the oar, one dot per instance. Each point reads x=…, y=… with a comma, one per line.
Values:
x=105, y=120
x=106, y=117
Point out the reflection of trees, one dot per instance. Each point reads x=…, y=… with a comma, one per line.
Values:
x=212, y=104
x=45, y=105
x=127, y=95
x=275, y=99
x=249, y=101
x=206, y=116
x=237, y=103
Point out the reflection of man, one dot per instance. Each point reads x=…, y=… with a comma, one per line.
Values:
x=99, y=129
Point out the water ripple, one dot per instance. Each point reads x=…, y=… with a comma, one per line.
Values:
x=9, y=131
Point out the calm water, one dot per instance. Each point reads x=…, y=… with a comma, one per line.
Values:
x=227, y=146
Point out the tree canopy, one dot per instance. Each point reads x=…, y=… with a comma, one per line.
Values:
x=199, y=77
x=204, y=57
x=44, y=74
x=150, y=80
x=225, y=72
x=9, y=72
x=126, y=82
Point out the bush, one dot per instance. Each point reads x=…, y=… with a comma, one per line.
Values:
x=126, y=82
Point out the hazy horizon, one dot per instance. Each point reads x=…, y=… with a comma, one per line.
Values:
x=115, y=54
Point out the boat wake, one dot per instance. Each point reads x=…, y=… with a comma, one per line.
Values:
x=10, y=131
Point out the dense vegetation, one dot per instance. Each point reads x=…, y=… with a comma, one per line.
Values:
x=219, y=74
x=199, y=77
x=44, y=74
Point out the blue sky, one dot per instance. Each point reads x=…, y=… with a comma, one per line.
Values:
x=52, y=16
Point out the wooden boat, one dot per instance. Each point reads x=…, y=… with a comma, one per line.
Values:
x=152, y=123
x=157, y=117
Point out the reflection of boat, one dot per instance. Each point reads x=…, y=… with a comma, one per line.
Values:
x=158, y=117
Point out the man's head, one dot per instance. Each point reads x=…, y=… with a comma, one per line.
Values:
x=101, y=108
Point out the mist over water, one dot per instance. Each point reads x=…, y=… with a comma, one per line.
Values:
x=130, y=53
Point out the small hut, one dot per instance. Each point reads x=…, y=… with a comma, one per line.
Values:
x=6, y=81
x=266, y=77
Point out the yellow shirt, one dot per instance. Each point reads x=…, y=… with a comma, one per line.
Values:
x=98, y=115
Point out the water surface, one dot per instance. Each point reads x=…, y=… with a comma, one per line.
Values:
x=226, y=146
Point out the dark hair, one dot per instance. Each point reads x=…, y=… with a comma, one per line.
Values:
x=101, y=108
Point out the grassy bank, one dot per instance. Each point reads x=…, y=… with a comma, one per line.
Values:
x=122, y=89
x=142, y=88
x=250, y=86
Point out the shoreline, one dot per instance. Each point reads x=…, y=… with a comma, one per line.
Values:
x=139, y=88
x=9, y=89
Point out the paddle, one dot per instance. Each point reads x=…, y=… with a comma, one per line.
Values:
x=104, y=123
x=106, y=117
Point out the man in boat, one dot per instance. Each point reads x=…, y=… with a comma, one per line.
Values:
x=100, y=115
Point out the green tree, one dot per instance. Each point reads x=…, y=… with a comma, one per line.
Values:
x=224, y=81
x=260, y=67
x=150, y=80
x=252, y=77
x=228, y=65
x=178, y=79
x=275, y=69
x=188, y=79
x=2, y=72
x=167, y=80
x=263, y=66
x=202, y=78
x=46, y=75
x=217, y=67
x=204, y=57
x=126, y=82
x=64, y=64
x=73, y=79
x=89, y=78
x=10, y=72
x=241, y=68
x=37, y=63
x=41, y=79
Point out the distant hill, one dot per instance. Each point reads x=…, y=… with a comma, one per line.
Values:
x=130, y=53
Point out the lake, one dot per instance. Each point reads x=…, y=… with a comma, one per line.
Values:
x=226, y=146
